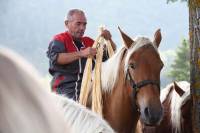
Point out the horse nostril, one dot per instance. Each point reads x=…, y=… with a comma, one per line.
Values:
x=146, y=112
x=152, y=116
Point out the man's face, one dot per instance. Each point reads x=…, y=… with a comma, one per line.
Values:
x=77, y=25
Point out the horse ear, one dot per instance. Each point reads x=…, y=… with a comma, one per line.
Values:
x=126, y=39
x=170, y=90
x=178, y=89
x=157, y=38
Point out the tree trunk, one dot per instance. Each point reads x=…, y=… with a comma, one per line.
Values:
x=194, y=34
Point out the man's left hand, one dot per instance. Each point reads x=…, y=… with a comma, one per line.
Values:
x=106, y=34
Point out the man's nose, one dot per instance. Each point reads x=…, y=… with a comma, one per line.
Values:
x=82, y=27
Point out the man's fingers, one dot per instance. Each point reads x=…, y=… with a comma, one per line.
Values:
x=93, y=51
x=106, y=34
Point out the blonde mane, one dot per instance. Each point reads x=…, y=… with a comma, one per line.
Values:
x=110, y=68
x=176, y=104
x=165, y=92
x=81, y=119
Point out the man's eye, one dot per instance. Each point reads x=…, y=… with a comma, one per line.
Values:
x=78, y=24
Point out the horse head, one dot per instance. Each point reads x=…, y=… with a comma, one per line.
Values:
x=142, y=69
x=177, y=104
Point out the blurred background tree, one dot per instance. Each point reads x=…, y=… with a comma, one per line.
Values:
x=194, y=37
x=180, y=68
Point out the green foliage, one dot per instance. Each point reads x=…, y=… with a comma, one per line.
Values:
x=180, y=68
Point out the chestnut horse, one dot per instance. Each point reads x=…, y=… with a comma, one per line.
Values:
x=177, y=105
x=130, y=82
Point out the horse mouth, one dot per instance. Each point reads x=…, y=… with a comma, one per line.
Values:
x=150, y=121
x=150, y=125
x=150, y=128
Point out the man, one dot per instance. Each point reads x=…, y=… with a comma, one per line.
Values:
x=68, y=53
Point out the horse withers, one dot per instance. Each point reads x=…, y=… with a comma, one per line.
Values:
x=130, y=82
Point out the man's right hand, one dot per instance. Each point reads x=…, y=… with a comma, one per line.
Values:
x=88, y=52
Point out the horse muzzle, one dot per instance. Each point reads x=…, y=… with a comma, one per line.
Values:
x=151, y=116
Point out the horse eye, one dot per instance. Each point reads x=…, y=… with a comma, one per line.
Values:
x=133, y=65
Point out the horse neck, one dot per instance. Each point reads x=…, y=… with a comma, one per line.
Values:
x=118, y=109
x=186, y=124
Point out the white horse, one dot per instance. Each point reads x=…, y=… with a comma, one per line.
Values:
x=26, y=107
x=81, y=119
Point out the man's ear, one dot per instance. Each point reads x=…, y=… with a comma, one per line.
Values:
x=66, y=22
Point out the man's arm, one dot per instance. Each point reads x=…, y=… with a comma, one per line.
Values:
x=66, y=58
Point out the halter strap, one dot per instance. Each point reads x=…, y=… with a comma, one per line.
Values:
x=142, y=83
x=139, y=85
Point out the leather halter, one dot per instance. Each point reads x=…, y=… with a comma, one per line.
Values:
x=139, y=85
x=136, y=86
